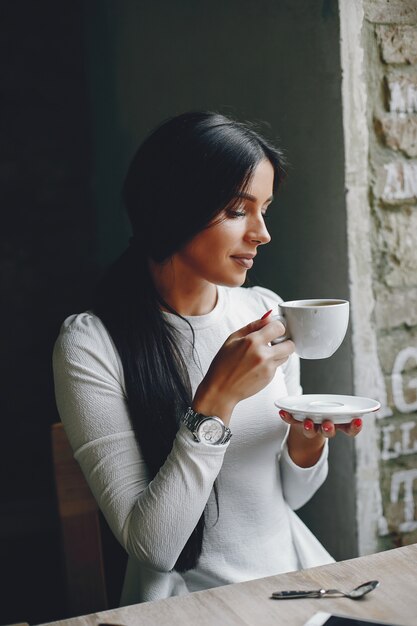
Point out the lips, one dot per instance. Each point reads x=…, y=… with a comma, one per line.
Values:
x=245, y=260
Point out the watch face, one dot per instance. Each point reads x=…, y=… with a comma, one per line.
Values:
x=210, y=432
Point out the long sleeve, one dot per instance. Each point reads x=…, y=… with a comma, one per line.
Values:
x=251, y=530
x=152, y=520
x=299, y=484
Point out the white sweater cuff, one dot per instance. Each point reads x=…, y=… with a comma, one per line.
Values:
x=313, y=469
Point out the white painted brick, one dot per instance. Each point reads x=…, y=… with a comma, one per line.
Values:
x=408, y=390
x=398, y=43
x=399, y=132
x=390, y=11
x=395, y=307
x=389, y=345
x=402, y=91
x=397, y=242
x=397, y=182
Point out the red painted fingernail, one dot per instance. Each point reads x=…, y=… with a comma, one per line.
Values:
x=357, y=422
x=283, y=414
x=308, y=424
x=326, y=428
x=266, y=314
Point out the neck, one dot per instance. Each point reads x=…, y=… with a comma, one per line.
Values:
x=183, y=292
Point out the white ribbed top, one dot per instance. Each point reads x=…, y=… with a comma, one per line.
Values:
x=256, y=533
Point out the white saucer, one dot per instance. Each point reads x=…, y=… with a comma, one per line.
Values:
x=339, y=409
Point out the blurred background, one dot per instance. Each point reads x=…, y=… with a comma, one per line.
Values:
x=82, y=84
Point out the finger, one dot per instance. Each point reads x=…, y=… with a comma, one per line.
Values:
x=310, y=429
x=266, y=329
x=354, y=427
x=282, y=351
x=250, y=328
x=328, y=429
x=287, y=417
x=271, y=330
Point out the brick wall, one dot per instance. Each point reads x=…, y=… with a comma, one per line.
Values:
x=390, y=44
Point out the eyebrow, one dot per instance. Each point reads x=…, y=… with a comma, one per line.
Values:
x=247, y=196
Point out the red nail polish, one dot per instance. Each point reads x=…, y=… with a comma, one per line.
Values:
x=326, y=428
x=357, y=422
x=283, y=413
x=308, y=425
x=266, y=314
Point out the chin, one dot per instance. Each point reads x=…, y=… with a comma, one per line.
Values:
x=232, y=281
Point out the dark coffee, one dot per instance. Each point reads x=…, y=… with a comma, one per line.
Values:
x=306, y=304
x=329, y=303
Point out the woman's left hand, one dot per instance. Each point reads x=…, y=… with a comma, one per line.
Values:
x=326, y=428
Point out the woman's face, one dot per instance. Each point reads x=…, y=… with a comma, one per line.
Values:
x=222, y=253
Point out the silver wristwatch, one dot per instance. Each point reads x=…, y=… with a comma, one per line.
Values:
x=208, y=430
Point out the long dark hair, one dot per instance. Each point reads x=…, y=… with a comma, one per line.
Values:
x=183, y=175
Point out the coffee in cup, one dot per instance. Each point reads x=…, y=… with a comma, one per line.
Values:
x=317, y=327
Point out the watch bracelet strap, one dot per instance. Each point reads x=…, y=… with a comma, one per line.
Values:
x=191, y=419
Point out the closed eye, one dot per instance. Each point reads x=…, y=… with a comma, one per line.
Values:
x=233, y=214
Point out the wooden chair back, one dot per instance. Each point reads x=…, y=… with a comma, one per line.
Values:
x=80, y=531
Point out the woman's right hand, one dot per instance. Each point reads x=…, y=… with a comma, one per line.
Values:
x=244, y=365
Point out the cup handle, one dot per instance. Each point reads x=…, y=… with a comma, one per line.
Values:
x=284, y=337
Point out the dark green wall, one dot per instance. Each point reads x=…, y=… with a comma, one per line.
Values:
x=46, y=270
x=270, y=61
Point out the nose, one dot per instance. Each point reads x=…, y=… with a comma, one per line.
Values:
x=258, y=233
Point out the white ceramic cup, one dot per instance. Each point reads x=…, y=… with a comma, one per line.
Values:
x=317, y=327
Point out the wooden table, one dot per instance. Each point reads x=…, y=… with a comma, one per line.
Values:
x=249, y=603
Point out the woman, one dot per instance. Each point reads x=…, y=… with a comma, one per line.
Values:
x=166, y=386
